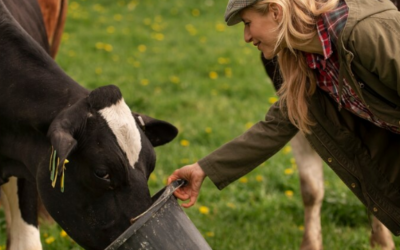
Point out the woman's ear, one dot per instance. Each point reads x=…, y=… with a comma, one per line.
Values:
x=276, y=11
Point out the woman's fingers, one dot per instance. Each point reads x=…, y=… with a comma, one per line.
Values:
x=194, y=176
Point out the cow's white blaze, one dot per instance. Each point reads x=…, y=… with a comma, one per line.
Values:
x=123, y=125
x=22, y=235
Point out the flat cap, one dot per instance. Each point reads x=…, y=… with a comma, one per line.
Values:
x=232, y=13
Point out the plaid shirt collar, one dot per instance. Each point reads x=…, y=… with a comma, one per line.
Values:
x=329, y=26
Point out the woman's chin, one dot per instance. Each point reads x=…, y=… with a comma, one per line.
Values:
x=268, y=56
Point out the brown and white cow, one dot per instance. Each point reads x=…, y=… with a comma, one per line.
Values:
x=47, y=118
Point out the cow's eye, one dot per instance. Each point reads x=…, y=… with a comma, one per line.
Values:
x=102, y=174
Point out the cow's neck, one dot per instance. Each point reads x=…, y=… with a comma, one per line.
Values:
x=22, y=155
x=33, y=89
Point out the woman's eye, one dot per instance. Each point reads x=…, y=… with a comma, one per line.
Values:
x=102, y=174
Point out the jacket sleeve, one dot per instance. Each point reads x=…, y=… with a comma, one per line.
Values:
x=244, y=153
x=375, y=42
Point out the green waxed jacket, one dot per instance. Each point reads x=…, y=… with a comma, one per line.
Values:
x=364, y=156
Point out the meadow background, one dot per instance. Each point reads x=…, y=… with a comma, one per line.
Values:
x=177, y=60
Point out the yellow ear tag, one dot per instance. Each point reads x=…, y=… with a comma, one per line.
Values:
x=63, y=175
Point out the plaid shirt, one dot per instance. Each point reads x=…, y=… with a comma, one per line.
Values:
x=329, y=26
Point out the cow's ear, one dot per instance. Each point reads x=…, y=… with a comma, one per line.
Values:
x=157, y=131
x=63, y=127
x=63, y=144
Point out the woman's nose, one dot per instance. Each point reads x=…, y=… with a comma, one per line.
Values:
x=247, y=36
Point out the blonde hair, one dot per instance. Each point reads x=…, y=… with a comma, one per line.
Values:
x=297, y=28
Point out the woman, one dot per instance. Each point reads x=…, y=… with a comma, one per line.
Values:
x=340, y=65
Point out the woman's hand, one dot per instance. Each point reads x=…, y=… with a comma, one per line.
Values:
x=194, y=176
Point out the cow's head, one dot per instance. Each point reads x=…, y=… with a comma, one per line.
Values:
x=110, y=153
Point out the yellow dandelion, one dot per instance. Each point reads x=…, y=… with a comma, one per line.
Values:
x=110, y=29
x=71, y=53
x=204, y=210
x=158, y=19
x=184, y=161
x=289, y=171
x=98, y=8
x=132, y=5
x=292, y=161
x=247, y=51
x=208, y=130
x=195, y=12
x=115, y=58
x=185, y=143
x=210, y=234
x=174, y=79
x=63, y=234
x=243, y=180
x=213, y=75
x=249, y=125
x=191, y=29
x=157, y=90
x=125, y=31
x=74, y=6
x=231, y=205
x=50, y=240
x=174, y=11
x=203, y=39
x=144, y=82
x=142, y=48
x=228, y=72
x=156, y=27
x=137, y=64
x=272, y=100
x=259, y=178
x=108, y=47
x=147, y=21
x=301, y=228
x=65, y=36
x=287, y=149
x=98, y=71
x=45, y=235
x=223, y=60
x=159, y=36
x=153, y=177
x=289, y=193
x=117, y=17
x=220, y=27
x=100, y=45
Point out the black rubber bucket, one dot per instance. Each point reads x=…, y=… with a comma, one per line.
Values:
x=164, y=226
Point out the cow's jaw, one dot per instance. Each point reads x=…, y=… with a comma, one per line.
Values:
x=121, y=122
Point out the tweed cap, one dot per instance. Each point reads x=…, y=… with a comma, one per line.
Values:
x=233, y=9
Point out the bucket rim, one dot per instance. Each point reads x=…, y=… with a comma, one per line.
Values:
x=163, y=196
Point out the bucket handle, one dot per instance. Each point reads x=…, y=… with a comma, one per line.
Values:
x=169, y=190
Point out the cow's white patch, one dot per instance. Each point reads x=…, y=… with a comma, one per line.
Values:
x=123, y=125
x=22, y=235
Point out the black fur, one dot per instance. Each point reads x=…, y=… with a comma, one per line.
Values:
x=41, y=107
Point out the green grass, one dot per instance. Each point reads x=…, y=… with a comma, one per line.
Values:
x=176, y=60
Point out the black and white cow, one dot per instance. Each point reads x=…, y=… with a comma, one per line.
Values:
x=46, y=118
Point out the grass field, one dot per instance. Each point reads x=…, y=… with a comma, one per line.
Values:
x=176, y=60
